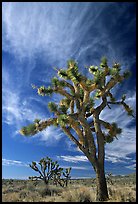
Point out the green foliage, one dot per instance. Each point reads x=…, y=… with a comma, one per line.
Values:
x=103, y=62
x=45, y=91
x=62, y=83
x=63, y=74
x=113, y=132
x=81, y=94
x=129, y=110
x=114, y=72
x=63, y=109
x=93, y=69
x=99, y=78
x=52, y=106
x=108, y=138
x=63, y=120
x=55, y=81
x=73, y=74
x=65, y=101
x=89, y=82
x=71, y=63
x=29, y=130
x=37, y=120
x=117, y=66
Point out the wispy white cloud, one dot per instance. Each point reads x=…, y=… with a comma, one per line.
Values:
x=132, y=167
x=8, y=162
x=15, y=110
x=50, y=136
x=41, y=28
x=73, y=159
x=77, y=167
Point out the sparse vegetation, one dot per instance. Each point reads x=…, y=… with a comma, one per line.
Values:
x=123, y=189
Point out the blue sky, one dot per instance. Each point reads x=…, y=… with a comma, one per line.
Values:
x=39, y=36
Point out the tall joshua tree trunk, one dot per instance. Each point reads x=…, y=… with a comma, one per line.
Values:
x=102, y=193
x=101, y=184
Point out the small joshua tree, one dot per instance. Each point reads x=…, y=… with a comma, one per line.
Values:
x=47, y=171
x=50, y=170
x=77, y=111
x=67, y=176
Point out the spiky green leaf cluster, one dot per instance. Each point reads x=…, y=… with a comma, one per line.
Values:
x=56, y=82
x=63, y=120
x=65, y=101
x=109, y=139
x=45, y=91
x=89, y=82
x=63, y=109
x=129, y=110
x=63, y=74
x=99, y=78
x=29, y=130
x=52, y=106
x=81, y=94
x=114, y=72
x=73, y=74
x=103, y=62
x=117, y=66
x=37, y=120
x=113, y=132
x=71, y=63
x=93, y=69
x=33, y=166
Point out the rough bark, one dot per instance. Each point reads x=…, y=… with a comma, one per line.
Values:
x=102, y=192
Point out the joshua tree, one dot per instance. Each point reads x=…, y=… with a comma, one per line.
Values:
x=67, y=175
x=47, y=171
x=50, y=170
x=78, y=112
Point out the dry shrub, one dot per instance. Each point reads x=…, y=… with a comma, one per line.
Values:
x=11, y=197
x=82, y=194
x=49, y=191
x=125, y=194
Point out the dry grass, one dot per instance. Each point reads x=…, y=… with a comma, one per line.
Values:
x=81, y=194
x=123, y=190
x=125, y=194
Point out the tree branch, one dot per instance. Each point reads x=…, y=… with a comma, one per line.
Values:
x=88, y=135
x=66, y=130
x=63, y=93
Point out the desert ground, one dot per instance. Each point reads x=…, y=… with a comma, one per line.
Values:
x=120, y=188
